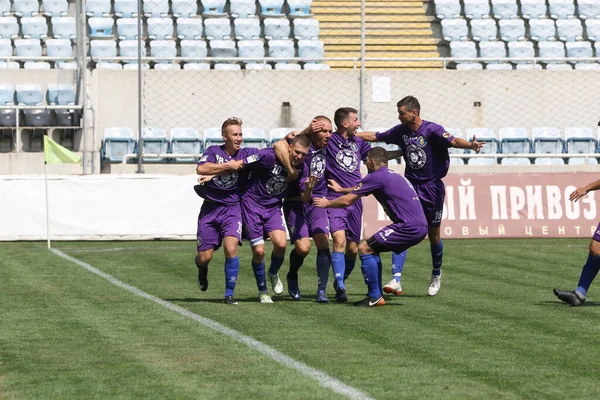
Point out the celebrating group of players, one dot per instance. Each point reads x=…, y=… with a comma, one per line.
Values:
x=311, y=182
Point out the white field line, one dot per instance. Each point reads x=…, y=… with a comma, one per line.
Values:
x=321, y=377
x=133, y=248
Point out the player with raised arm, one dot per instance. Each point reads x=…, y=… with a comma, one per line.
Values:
x=220, y=218
x=401, y=204
x=424, y=147
x=261, y=208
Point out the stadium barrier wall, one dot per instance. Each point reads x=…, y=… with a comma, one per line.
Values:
x=132, y=207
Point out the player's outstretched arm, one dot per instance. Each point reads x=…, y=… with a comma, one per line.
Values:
x=367, y=136
x=333, y=185
x=282, y=152
x=215, y=169
x=463, y=144
x=582, y=191
x=341, y=202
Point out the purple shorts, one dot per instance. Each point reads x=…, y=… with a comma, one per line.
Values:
x=432, y=195
x=305, y=220
x=347, y=219
x=216, y=222
x=259, y=221
x=596, y=236
x=397, y=237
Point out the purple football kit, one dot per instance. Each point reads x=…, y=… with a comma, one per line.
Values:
x=265, y=189
x=401, y=204
x=343, y=166
x=425, y=152
x=221, y=215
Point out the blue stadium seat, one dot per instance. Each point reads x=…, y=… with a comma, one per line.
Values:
x=271, y=7
x=36, y=65
x=316, y=67
x=580, y=140
x=7, y=94
x=184, y=9
x=227, y=67
x=548, y=161
x=253, y=66
x=100, y=27
x=9, y=28
x=133, y=66
x=29, y=94
x=126, y=8
x=251, y=49
x=164, y=66
x=281, y=48
x=127, y=28
x=455, y=161
x=108, y=65
x=299, y=8
x=97, y=8
x=60, y=94
x=193, y=48
x=551, y=50
x=505, y=9
x=559, y=67
x=55, y=8
x=477, y=9
x=117, y=142
x=160, y=28
x=247, y=28
x=454, y=29
x=305, y=28
x=515, y=161
x=59, y=48
x=34, y=28
x=213, y=7
x=499, y=67
x=533, y=9
x=579, y=49
x=129, y=48
x=528, y=66
x=103, y=48
x=483, y=30
x=587, y=66
x=561, y=9
x=447, y=9
x=284, y=66
x=26, y=8
x=9, y=65
x=511, y=29
x=6, y=48
x=463, y=49
x=189, y=28
x=277, y=28
x=495, y=50
x=582, y=161
x=592, y=29
x=186, y=141
x=156, y=8
x=514, y=141
x=212, y=136
x=217, y=28
x=5, y=6
x=223, y=48
x=588, y=9
x=542, y=30
x=569, y=30
x=155, y=142
x=242, y=8
x=64, y=28
x=311, y=49
x=163, y=48
x=255, y=137
x=547, y=140
x=470, y=66
x=481, y=161
x=521, y=50
x=486, y=135
x=28, y=48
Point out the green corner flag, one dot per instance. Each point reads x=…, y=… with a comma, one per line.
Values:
x=54, y=153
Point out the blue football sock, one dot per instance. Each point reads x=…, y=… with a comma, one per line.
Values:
x=398, y=260
x=276, y=263
x=323, y=263
x=350, y=263
x=338, y=265
x=379, y=271
x=259, y=275
x=588, y=273
x=437, y=253
x=295, y=264
x=232, y=267
x=369, y=270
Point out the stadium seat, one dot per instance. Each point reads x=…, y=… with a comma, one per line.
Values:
x=484, y=30
x=551, y=50
x=126, y=8
x=64, y=28
x=223, y=48
x=481, y=161
x=532, y=9
x=521, y=50
x=447, y=9
x=477, y=9
x=512, y=29
x=542, y=30
x=6, y=48
x=217, y=28
x=284, y=66
x=29, y=94
x=108, y=65
x=463, y=49
x=582, y=161
x=548, y=161
x=26, y=8
x=127, y=28
x=587, y=66
x=253, y=66
x=472, y=66
x=160, y=28
x=186, y=141
x=9, y=65
x=277, y=28
x=156, y=8
x=163, y=48
x=454, y=29
x=193, y=48
x=255, y=137
x=499, y=67
x=97, y=8
x=212, y=136
x=592, y=29
x=569, y=30
x=276, y=134
x=100, y=27
x=9, y=28
x=316, y=67
x=588, y=9
x=246, y=28
x=559, y=67
x=455, y=161
x=281, y=48
x=271, y=7
x=103, y=48
x=251, y=49
x=305, y=28
x=55, y=8
x=60, y=94
x=5, y=6
x=59, y=48
x=528, y=66
x=34, y=28
x=515, y=161
x=189, y=28
x=486, y=135
x=129, y=48
x=242, y=8
x=311, y=49
x=505, y=9
x=227, y=67
x=7, y=94
x=36, y=65
x=514, y=141
x=561, y=9
x=196, y=66
x=155, y=142
x=547, y=140
x=580, y=140
x=579, y=49
x=184, y=9
x=117, y=142
x=213, y=7
x=299, y=8
x=28, y=48
x=494, y=50
x=166, y=66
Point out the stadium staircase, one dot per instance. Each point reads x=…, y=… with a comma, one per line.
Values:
x=394, y=28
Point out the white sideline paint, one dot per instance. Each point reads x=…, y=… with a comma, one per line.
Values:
x=110, y=250
x=321, y=377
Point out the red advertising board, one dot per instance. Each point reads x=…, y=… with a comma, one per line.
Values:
x=508, y=206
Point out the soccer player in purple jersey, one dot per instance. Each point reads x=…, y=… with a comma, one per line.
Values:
x=424, y=147
x=400, y=202
x=220, y=218
x=304, y=220
x=592, y=266
x=261, y=209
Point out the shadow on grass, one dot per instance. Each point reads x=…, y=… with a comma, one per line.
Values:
x=560, y=303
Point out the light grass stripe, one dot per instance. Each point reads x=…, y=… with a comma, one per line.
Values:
x=322, y=378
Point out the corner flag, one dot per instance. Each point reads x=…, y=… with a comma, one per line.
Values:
x=54, y=153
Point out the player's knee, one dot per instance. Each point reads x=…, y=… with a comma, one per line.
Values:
x=364, y=248
x=204, y=258
x=259, y=251
x=302, y=249
x=230, y=251
x=321, y=241
x=352, y=249
x=595, y=248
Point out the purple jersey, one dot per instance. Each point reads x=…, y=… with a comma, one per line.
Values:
x=395, y=194
x=225, y=188
x=425, y=151
x=343, y=161
x=315, y=161
x=266, y=183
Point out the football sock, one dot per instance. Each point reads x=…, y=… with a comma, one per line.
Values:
x=350, y=262
x=276, y=263
x=588, y=273
x=369, y=269
x=379, y=271
x=338, y=265
x=295, y=264
x=437, y=253
x=199, y=264
x=232, y=267
x=323, y=263
x=259, y=275
x=398, y=260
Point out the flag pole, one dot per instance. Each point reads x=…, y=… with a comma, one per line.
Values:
x=47, y=207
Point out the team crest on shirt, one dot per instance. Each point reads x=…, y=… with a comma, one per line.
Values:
x=416, y=156
x=276, y=185
x=317, y=165
x=226, y=181
x=421, y=142
x=354, y=147
x=347, y=159
x=446, y=135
